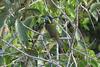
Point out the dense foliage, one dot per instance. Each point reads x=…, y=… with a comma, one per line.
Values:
x=49, y=33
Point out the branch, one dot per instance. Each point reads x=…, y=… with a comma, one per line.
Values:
x=33, y=57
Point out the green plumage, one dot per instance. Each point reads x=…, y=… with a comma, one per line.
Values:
x=50, y=26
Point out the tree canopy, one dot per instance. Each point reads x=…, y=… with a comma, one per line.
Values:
x=49, y=33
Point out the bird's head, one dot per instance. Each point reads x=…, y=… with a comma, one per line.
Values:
x=48, y=19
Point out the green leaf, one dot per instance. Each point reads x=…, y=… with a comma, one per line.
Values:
x=93, y=63
x=85, y=21
x=7, y=59
x=3, y=15
x=8, y=2
x=93, y=10
x=77, y=35
x=11, y=21
x=40, y=6
x=94, y=6
x=95, y=15
x=1, y=22
x=21, y=30
x=1, y=60
x=28, y=21
x=2, y=18
x=34, y=11
x=82, y=63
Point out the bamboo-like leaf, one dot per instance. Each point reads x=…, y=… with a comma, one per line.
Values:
x=77, y=35
x=33, y=11
x=93, y=9
x=3, y=14
x=28, y=21
x=51, y=4
x=82, y=63
x=21, y=30
x=93, y=63
x=94, y=6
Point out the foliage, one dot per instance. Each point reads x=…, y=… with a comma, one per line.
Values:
x=49, y=33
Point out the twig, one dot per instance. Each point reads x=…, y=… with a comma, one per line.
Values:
x=74, y=60
x=69, y=59
x=31, y=29
x=12, y=62
x=33, y=57
x=88, y=15
x=57, y=52
x=29, y=5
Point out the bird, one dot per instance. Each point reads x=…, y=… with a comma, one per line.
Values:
x=50, y=26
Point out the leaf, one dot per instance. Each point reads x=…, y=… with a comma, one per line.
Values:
x=77, y=35
x=11, y=21
x=95, y=15
x=1, y=60
x=28, y=21
x=7, y=59
x=2, y=18
x=93, y=63
x=82, y=63
x=21, y=30
x=94, y=6
x=1, y=22
x=85, y=22
x=8, y=2
x=29, y=64
x=93, y=10
x=52, y=4
x=34, y=11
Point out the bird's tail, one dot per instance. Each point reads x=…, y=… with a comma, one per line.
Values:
x=60, y=44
